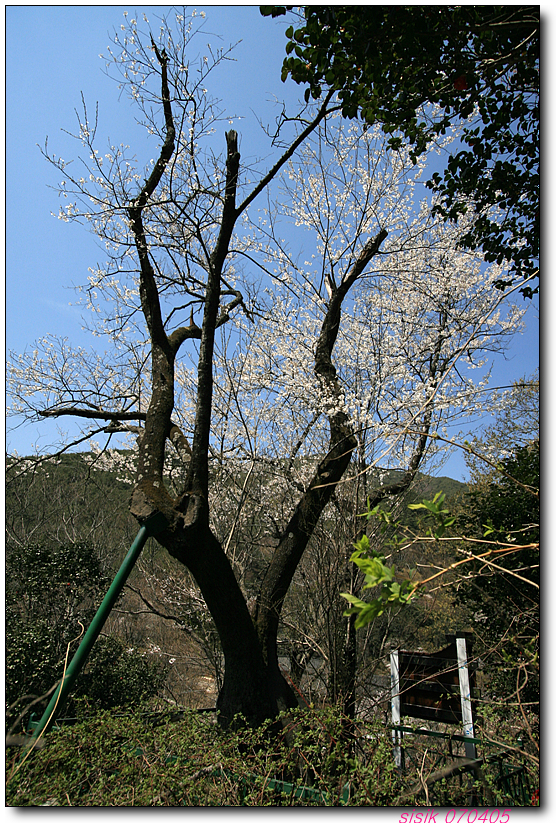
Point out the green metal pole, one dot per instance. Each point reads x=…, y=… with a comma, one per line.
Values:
x=153, y=525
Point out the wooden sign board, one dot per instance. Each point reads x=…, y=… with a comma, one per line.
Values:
x=429, y=685
x=437, y=686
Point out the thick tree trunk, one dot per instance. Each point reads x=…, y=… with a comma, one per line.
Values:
x=251, y=688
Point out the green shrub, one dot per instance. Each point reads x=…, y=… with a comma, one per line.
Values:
x=52, y=592
x=310, y=758
x=118, y=676
x=125, y=759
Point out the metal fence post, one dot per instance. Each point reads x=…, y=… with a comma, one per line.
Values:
x=396, y=708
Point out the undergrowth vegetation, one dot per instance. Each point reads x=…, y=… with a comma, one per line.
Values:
x=311, y=758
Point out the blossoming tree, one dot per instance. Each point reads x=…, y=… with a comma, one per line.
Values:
x=225, y=345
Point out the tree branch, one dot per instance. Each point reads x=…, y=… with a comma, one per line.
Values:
x=322, y=113
x=157, y=422
x=451, y=770
x=150, y=302
x=198, y=472
x=330, y=471
x=92, y=414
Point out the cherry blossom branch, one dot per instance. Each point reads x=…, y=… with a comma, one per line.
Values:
x=330, y=470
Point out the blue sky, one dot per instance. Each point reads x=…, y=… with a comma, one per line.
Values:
x=52, y=56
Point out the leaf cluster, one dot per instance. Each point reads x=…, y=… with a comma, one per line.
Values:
x=416, y=69
x=377, y=574
x=442, y=519
x=373, y=563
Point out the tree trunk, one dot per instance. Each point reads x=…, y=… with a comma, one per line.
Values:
x=253, y=684
x=251, y=688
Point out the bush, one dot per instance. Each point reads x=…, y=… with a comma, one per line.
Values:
x=118, y=676
x=128, y=760
x=53, y=591
x=311, y=758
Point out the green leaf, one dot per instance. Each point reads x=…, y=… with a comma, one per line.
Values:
x=275, y=11
x=351, y=598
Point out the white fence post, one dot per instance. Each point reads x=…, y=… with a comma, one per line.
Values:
x=465, y=695
x=396, y=707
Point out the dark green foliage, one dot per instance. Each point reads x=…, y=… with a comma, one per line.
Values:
x=416, y=70
x=129, y=760
x=142, y=759
x=52, y=594
x=511, y=507
x=508, y=607
x=118, y=676
x=49, y=590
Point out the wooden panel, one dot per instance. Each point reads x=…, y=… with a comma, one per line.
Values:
x=429, y=685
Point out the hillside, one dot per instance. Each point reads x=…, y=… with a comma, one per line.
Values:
x=161, y=614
